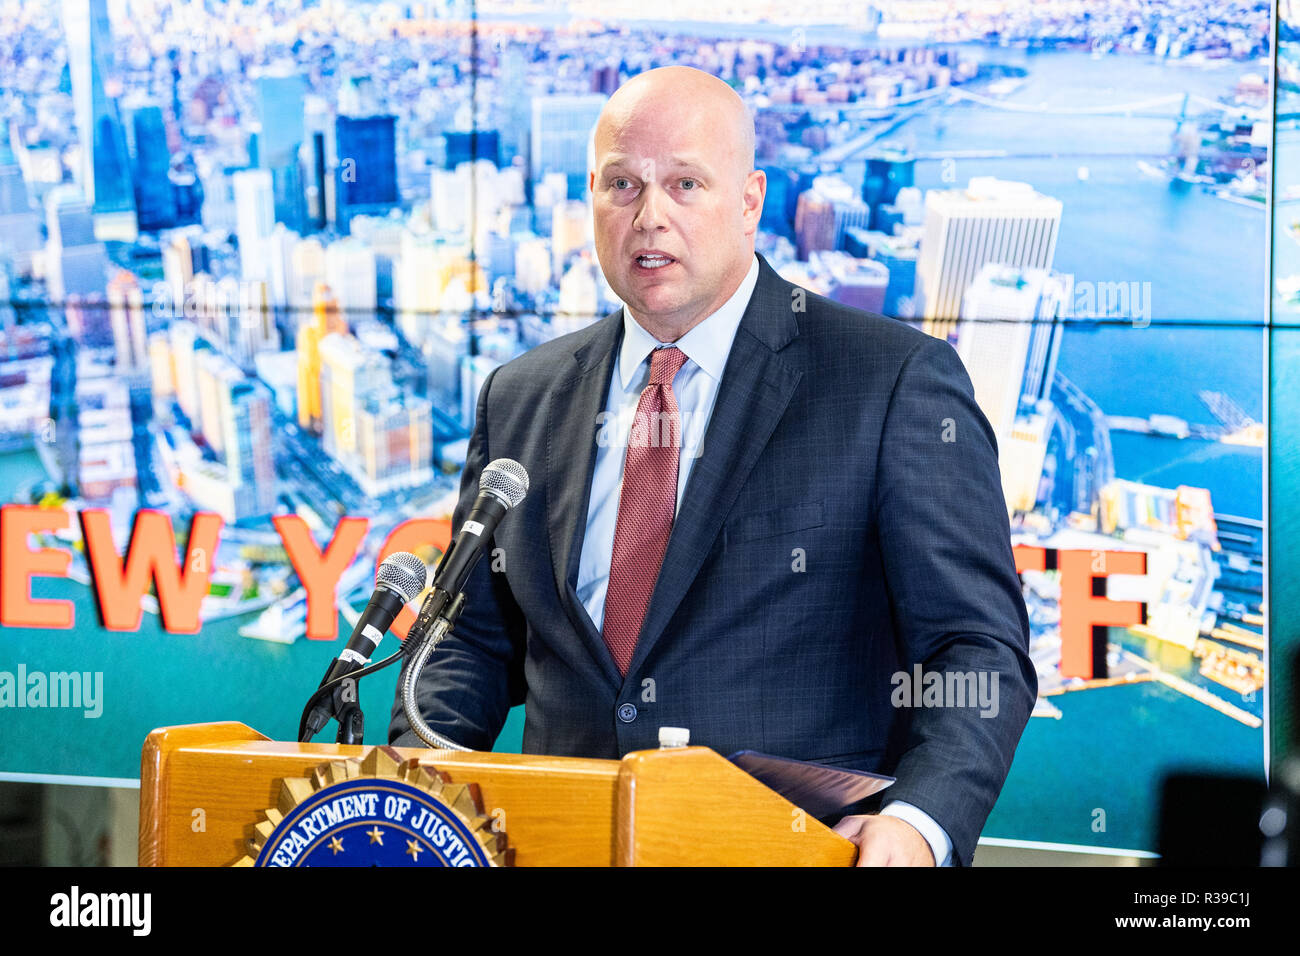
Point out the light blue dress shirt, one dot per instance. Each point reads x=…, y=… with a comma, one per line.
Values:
x=706, y=346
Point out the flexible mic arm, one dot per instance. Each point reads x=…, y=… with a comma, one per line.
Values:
x=435, y=622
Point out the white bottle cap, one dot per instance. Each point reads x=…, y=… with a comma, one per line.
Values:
x=674, y=736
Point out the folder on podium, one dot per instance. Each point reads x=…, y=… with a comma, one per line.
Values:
x=222, y=794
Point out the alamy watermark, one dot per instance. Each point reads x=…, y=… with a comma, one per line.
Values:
x=626, y=429
x=946, y=689
x=1123, y=299
x=78, y=690
x=74, y=908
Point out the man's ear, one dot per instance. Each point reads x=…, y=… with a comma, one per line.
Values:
x=754, y=193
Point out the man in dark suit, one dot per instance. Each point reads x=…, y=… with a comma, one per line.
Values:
x=806, y=507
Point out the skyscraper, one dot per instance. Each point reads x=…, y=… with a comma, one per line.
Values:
x=579, y=303
x=394, y=443
x=104, y=438
x=126, y=317
x=105, y=173
x=366, y=174
x=562, y=127
x=474, y=370
x=324, y=321
x=349, y=374
x=280, y=108
x=351, y=273
x=76, y=262
x=155, y=196
x=571, y=232
x=382, y=235
x=417, y=294
x=532, y=265
x=997, y=321
x=279, y=264
x=860, y=283
x=251, y=327
x=183, y=339
x=449, y=198
x=215, y=374
x=254, y=219
x=991, y=221
x=20, y=225
x=780, y=183
x=887, y=172
x=146, y=479
x=897, y=253
x=7, y=317
x=814, y=224
x=467, y=146
x=307, y=274
x=512, y=103
x=246, y=419
x=445, y=342
x=1008, y=338
x=823, y=214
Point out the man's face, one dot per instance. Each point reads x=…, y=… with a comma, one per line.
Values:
x=674, y=212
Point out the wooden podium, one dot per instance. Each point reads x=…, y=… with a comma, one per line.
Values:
x=204, y=786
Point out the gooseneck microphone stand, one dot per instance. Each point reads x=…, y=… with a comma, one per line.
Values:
x=437, y=617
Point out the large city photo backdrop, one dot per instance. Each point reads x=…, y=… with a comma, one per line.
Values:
x=257, y=258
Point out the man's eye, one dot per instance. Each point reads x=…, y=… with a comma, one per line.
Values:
x=621, y=183
x=689, y=184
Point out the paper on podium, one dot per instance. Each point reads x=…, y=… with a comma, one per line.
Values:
x=819, y=789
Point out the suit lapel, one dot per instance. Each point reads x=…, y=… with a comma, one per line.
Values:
x=570, y=455
x=757, y=384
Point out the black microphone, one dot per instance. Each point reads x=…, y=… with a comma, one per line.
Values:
x=502, y=485
x=402, y=576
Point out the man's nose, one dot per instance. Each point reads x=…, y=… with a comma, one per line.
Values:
x=650, y=214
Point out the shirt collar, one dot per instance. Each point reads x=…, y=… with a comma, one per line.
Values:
x=707, y=344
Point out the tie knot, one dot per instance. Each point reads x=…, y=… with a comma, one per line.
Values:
x=665, y=364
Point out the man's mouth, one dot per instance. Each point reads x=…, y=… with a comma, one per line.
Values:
x=654, y=261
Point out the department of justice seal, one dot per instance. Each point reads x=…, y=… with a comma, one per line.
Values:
x=378, y=811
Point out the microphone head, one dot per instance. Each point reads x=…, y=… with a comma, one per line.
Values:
x=506, y=479
x=404, y=573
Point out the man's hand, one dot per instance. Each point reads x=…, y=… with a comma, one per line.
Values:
x=886, y=841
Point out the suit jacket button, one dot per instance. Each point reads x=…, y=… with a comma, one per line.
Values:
x=627, y=713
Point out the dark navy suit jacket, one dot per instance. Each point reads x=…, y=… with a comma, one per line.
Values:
x=844, y=521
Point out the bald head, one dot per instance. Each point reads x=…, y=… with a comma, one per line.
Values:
x=668, y=89
x=676, y=200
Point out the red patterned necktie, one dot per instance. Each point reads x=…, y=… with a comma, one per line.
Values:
x=645, y=507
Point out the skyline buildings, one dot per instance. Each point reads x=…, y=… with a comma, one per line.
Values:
x=250, y=117
x=990, y=221
x=473, y=243
x=823, y=214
